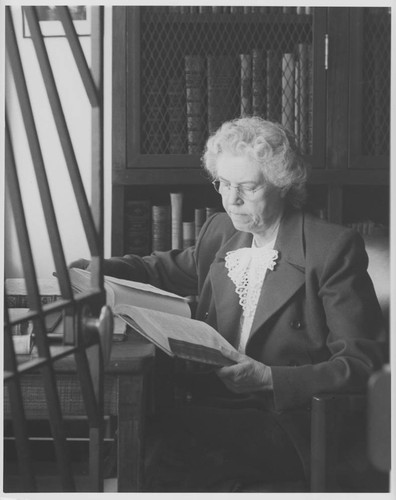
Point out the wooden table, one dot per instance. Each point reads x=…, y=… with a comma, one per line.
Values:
x=125, y=397
x=130, y=364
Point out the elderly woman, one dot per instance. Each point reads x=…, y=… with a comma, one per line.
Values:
x=290, y=291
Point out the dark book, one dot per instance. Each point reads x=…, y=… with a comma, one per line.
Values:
x=301, y=103
x=222, y=80
x=188, y=234
x=154, y=124
x=274, y=85
x=160, y=227
x=310, y=100
x=259, y=80
x=246, y=84
x=177, y=123
x=288, y=85
x=137, y=227
x=199, y=220
x=195, y=102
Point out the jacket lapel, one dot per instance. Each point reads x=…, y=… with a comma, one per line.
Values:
x=226, y=299
x=279, y=285
x=289, y=273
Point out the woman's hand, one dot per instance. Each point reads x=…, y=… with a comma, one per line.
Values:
x=81, y=264
x=247, y=375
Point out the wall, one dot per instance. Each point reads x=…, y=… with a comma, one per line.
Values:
x=78, y=117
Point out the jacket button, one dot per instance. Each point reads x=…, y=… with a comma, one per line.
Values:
x=206, y=315
x=296, y=324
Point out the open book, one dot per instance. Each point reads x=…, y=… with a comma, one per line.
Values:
x=161, y=317
x=120, y=291
x=178, y=336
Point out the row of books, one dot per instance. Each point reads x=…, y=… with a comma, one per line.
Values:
x=194, y=9
x=369, y=228
x=150, y=227
x=365, y=227
x=271, y=80
x=16, y=292
x=266, y=82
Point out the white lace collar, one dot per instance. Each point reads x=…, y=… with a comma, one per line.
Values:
x=238, y=262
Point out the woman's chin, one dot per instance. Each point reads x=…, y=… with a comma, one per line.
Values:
x=241, y=222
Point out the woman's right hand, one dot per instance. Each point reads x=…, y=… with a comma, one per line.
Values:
x=81, y=264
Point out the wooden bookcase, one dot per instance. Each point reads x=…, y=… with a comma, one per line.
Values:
x=348, y=92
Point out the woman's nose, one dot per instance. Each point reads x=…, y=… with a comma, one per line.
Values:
x=233, y=196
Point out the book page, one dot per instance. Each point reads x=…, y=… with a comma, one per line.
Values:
x=159, y=327
x=119, y=291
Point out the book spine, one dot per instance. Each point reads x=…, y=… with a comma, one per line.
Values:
x=221, y=78
x=160, y=224
x=310, y=100
x=199, y=219
x=21, y=300
x=153, y=125
x=176, y=220
x=274, y=85
x=296, y=101
x=288, y=65
x=137, y=227
x=188, y=234
x=176, y=106
x=259, y=83
x=302, y=116
x=195, y=102
x=381, y=101
x=246, y=84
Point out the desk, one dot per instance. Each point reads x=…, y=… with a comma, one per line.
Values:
x=124, y=396
x=129, y=365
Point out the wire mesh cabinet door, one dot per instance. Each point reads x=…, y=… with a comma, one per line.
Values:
x=85, y=322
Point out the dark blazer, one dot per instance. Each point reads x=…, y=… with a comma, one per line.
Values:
x=317, y=320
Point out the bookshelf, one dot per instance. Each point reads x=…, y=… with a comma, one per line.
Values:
x=323, y=71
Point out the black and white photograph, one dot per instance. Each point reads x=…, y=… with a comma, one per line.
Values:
x=197, y=248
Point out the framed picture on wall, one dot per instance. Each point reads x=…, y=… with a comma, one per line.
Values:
x=50, y=25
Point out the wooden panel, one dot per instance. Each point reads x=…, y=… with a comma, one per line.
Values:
x=119, y=87
x=117, y=221
x=335, y=204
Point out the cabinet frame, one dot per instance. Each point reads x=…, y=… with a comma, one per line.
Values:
x=336, y=160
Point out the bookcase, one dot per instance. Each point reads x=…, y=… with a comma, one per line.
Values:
x=179, y=71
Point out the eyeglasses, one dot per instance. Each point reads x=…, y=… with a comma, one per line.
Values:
x=224, y=187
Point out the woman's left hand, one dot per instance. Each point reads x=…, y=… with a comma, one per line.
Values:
x=247, y=375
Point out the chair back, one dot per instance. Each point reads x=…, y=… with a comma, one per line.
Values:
x=377, y=247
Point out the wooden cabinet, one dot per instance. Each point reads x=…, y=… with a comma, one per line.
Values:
x=330, y=82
